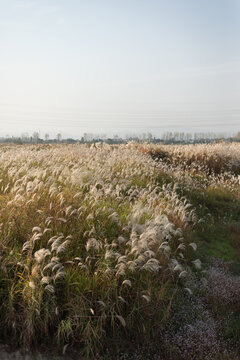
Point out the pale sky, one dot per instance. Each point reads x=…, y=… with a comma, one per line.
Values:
x=119, y=66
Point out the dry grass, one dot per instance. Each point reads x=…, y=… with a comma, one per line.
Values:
x=94, y=240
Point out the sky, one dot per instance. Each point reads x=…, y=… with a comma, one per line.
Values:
x=119, y=67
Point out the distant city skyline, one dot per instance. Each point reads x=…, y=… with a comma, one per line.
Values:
x=75, y=67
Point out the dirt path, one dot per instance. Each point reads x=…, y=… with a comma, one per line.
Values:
x=7, y=354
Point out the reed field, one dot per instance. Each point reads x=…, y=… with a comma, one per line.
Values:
x=121, y=251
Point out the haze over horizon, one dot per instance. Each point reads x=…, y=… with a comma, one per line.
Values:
x=119, y=67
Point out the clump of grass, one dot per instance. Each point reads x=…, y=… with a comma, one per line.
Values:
x=95, y=241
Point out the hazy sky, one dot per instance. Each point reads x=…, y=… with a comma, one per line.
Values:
x=119, y=66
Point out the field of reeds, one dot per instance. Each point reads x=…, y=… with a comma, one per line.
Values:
x=121, y=252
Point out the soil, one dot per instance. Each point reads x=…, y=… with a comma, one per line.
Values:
x=6, y=353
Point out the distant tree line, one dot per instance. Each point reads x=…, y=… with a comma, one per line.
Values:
x=89, y=138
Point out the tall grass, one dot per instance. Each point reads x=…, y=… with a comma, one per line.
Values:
x=95, y=240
